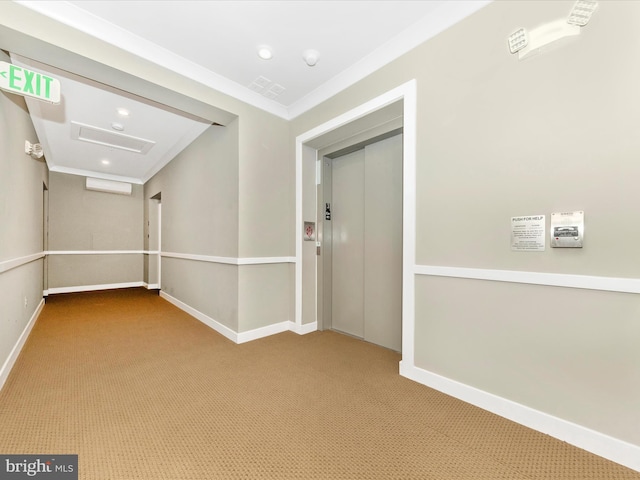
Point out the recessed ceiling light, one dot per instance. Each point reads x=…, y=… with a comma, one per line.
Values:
x=117, y=126
x=123, y=112
x=265, y=52
x=106, y=162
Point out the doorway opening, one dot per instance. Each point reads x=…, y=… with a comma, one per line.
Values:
x=368, y=118
x=154, y=243
x=45, y=237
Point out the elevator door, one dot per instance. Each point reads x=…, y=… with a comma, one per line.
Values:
x=366, y=224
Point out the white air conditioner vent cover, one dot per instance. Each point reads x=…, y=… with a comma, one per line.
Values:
x=108, y=186
x=101, y=136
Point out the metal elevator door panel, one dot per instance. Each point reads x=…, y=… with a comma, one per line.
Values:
x=383, y=243
x=366, y=209
x=348, y=244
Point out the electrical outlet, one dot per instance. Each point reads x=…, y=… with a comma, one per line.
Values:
x=26, y=302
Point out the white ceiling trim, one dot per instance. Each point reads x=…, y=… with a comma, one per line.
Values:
x=446, y=16
x=94, y=174
x=69, y=14
x=171, y=153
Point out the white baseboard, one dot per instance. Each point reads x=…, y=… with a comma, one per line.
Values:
x=304, y=328
x=262, y=332
x=15, y=351
x=151, y=286
x=597, y=443
x=240, y=337
x=208, y=321
x=276, y=328
x=91, y=288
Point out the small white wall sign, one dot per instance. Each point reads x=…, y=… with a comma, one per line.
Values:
x=528, y=233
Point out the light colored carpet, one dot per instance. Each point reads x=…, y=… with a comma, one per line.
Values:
x=140, y=390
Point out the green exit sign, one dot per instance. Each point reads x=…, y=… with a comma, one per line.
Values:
x=31, y=84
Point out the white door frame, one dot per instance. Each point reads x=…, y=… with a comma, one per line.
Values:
x=406, y=92
x=155, y=230
x=159, y=244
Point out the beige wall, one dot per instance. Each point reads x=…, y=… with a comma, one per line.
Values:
x=199, y=190
x=200, y=195
x=264, y=219
x=565, y=351
x=217, y=202
x=265, y=188
x=498, y=138
x=210, y=288
x=21, y=220
x=548, y=134
x=84, y=220
x=263, y=297
x=88, y=271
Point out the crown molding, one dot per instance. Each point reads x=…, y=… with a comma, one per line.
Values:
x=78, y=19
x=448, y=14
x=90, y=173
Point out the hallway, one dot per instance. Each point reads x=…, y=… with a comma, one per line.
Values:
x=488, y=307
x=138, y=389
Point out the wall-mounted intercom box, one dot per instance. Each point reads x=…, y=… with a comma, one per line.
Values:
x=567, y=229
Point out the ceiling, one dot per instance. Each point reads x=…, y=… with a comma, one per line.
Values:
x=215, y=43
x=131, y=148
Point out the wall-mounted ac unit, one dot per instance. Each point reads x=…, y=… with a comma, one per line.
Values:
x=108, y=186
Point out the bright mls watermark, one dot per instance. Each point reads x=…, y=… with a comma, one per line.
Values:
x=49, y=467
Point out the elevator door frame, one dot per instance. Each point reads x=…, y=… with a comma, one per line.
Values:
x=308, y=144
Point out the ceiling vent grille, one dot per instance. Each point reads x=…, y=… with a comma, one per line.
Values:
x=107, y=138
